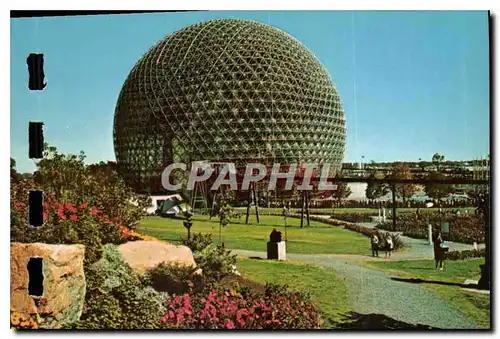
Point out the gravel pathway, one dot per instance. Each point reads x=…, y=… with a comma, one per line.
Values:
x=373, y=291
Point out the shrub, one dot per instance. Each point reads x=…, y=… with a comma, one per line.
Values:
x=23, y=321
x=352, y=217
x=230, y=310
x=68, y=224
x=396, y=240
x=216, y=262
x=369, y=232
x=116, y=298
x=463, y=228
x=467, y=254
x=174, y=279
x=198, y=241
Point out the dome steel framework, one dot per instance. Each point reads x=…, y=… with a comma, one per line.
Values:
x=226, y=91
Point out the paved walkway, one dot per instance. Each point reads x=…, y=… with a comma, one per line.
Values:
x=374, y=292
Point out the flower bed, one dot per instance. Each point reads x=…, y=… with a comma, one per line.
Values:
x=465, y=228
x=232, y=310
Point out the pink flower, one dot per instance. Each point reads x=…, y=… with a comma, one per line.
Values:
x=95, y=211
x=228, y=324
x=83, y=205
x=73, y=217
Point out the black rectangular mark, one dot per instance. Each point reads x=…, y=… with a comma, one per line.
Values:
x=37, y=75
x=36, y=140
x=35, y=208
x=35, y=273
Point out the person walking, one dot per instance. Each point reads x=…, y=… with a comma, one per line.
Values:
x=375, y=242
x=438, y=250
x=390, y=246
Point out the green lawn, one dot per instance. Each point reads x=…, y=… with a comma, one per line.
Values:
x=327, y=291
x=319, y=238
x=475, y=305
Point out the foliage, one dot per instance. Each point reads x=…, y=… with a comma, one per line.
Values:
x=68, y=224
x=174, y=279
x=327, y=289
x=396, y=240
x=369, y=232
x=437, y=159
x=230, y=310
x=437, y=191
x=342, y=192
x=463, y=228
x=198, y=241
x=352, y=217
x=402, y=171
x=467, y=254
x=100, y=185
x=116, y=298
x=216, y=262
x=226, y=212
x=376, y=190
x=23, y=321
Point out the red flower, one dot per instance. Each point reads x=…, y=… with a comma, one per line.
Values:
x=45, y=216
x=83, y=205
x=73, y=217
x=19, y=205
x=228, y=324
x=95, y=211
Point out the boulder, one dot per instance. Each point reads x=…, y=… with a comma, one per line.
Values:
x=58, y=298
x=142, y=256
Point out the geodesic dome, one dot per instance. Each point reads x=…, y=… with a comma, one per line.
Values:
x=226, y=91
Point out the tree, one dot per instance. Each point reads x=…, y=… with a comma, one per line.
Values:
x=71, y=180
x=402, y=171
x=437, y=159
x=375, y=190
x=343, y=191
x=438, y=191
x=14, y=175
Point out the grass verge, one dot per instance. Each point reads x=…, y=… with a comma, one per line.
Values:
x=327, y=290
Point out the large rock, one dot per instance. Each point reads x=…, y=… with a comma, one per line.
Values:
x=142, y=256
x=63, y=282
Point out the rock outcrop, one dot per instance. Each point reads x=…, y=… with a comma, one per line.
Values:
x=58, y=298
x=142, y=256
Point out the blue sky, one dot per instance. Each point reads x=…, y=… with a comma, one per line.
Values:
x=412, y=83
